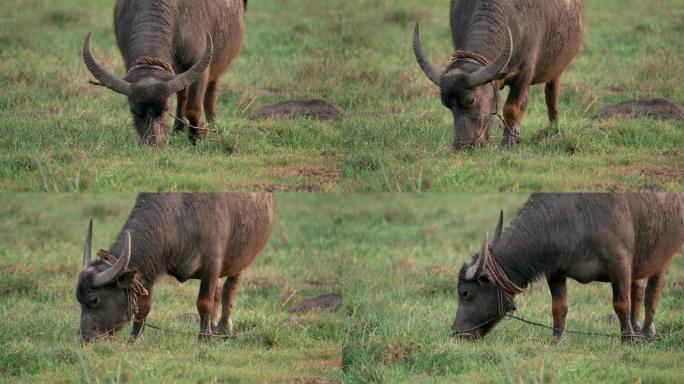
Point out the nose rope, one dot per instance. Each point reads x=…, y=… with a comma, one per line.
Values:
x=187, y=124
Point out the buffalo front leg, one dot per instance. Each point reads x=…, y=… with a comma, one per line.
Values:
x=214, y=309
x=653, y=291
x=514, y=109
x=182, y=98
x=637, y=297
x=559, y=306
x=144, y=305
x=194, y=107
x=621, y=284
x=210, y=99
x=552, y=93
x=230, y=289
x=205, y=306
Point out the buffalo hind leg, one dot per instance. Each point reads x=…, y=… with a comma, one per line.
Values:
x=514, y=109
x=559, y=306
x=552, y=93
x=214, y=309
x=194, y=107
x=205, y=305
x=653, y=291
x=210, y=99
x=182, y=98
x=144, y=305
x=230, y=289
x=637, y=298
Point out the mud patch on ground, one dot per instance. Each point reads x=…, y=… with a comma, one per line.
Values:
x=621, y=188
x=331, y=302
x=654, y=108
x=286, y=188
x=317, y=109
x=307, y=380
x=321, y=173
x=662, y=172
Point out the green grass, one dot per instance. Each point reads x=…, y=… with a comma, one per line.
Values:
x=57, y=133
x=400, y=271
x=40, y=257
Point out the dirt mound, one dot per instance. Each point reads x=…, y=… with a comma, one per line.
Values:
x=329, y=302
x=317, y=109
x=287, y=188
x=655, y=108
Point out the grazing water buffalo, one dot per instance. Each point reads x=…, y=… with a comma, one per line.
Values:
x=172, y=46
x=499, y=43
x=616, y=238
x=188, y=236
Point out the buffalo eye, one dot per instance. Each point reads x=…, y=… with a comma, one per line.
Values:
x=484, y=279
x=463, y=294
x=468, y=102
x=90, y=303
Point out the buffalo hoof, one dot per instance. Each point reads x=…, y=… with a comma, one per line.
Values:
x=636, y=326
x=205, y=336
x=556, y=339
x=134, y=339
x=224, y=329
x=630, y=338
x=510, y=140
x=649, y=332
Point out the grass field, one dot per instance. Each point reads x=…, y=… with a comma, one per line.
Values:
x=40, y=257
x=57, y=133
x=403, y=253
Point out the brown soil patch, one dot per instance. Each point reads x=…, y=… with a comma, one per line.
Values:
x=188, y=318
x=655, y=108
x=331, y=302
x=663, y=172
x=307, y=380
x=322, y=173
x=286, y=188
x=621, y=188
x=317, y=109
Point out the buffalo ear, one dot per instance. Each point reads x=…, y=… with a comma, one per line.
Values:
x=126, y=279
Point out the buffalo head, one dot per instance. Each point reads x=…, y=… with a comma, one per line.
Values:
x=148, y=88
x=468, y=91
x=102, y=291
x=480, y=305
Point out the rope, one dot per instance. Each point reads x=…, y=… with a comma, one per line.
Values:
x=187, y=123
x=146, y=324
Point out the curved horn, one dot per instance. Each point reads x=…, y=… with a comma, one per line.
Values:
x=474, y=271
x=492, y=70
x=185, y=79
x=88, y=244
x=499, y=227
x=111, y=274
x=107, y=79
x=434, y=74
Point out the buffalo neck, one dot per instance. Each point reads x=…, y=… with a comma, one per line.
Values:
x=479, y=26
x=526, y=250
x=148, y=242
x=151, y=32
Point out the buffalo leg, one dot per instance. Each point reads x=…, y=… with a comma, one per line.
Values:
x=205, y=304
x=559, y=306
x=230, y=288
x=214, y=308
x=621, y=284
x=210, y=99
x=182, y=98
x=552, y=93
x=194, y=106
x=637, y=298
x=515, y=107
x=653, y=291
x=144, y=305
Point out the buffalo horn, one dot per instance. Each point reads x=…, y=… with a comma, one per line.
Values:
x=185, y=79
x=492, y=70
x=105, y=78
x=111, y=274
x=430, y=70
x=475, y=270
x=87, y=245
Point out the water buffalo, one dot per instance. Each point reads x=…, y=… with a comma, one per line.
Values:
x=499, y=43
x=188, y=236
x=616, y=238
x=172, y=46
